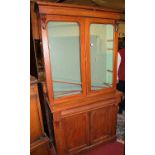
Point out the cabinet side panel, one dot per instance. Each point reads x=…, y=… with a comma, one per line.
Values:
x=113, y=115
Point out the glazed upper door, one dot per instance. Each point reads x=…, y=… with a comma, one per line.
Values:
x=64, y=46
x=66, y=55
x=101, y=55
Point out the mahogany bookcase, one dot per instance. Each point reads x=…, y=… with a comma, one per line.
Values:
x=79, y=46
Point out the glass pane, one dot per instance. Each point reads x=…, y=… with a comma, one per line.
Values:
x=101, y=49
x=64, y=45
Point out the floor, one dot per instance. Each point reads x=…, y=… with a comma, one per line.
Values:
x=115, y=148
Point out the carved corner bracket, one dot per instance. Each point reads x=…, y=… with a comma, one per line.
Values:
x=43, y=21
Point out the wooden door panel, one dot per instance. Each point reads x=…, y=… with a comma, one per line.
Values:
x=75, y=130
x=102, y=122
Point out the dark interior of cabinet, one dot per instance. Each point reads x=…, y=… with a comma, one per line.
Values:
x=33, y=63
x=46, y=113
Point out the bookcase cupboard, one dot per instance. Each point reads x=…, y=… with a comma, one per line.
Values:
x=79, y=46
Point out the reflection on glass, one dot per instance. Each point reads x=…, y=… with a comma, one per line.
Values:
x=64, y=45
x=101, y=49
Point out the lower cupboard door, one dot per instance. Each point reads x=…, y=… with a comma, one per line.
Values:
x=103, y=123
x=75, y=129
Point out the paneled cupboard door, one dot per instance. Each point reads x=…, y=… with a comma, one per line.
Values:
x=76, y=133
x=103, y=123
